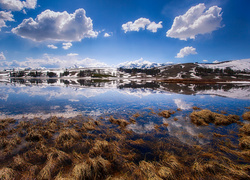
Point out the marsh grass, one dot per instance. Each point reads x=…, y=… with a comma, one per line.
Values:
x=83, y=148
x=246, y=116
x=204, y=117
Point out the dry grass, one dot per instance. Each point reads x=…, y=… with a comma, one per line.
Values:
x=244, y=142
x=52, y=151
x=197, y=169
x=166, y=173
x=121, y=122
x=7, y=174
x=33, y=136
x=166, y=113
x=246, y=116
x=171, y=162
x=96, y=168
x=55, y=161
x=245, y=129
x=204, y=117
x=148, y=169
x=196, y=108
x=100, y=147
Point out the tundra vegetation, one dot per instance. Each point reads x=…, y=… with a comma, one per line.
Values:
x=104, y=148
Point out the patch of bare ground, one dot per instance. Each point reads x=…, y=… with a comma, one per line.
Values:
x=204, y=117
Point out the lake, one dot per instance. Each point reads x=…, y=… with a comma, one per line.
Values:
x=138, y=102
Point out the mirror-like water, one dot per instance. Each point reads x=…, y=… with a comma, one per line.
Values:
x=55, y=128
x=95, y=98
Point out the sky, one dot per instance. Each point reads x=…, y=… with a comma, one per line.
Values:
x=91, y=33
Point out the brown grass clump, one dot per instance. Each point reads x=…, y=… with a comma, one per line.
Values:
x=197, y=169
x=245, y=129
x=196, y=108
x=121, y=122
x=131, y=120
x=33, y=136
x=96, y=168
x=244, y=142
x=165, y=173
x=204, y=117
x=7, y=174
x=67, y=135
x=100, y=147
x=171, y=162
x=55, y=161
x=219, y=135
x=148, y=169
x=89, y=125
x=166, y=113
x=5, y=122
x=246, y=116
x=136, y=115
x=35, y=156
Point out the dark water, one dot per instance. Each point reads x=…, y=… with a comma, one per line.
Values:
x=95, y=98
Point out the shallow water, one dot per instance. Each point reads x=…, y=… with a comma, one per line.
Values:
x=122, y=99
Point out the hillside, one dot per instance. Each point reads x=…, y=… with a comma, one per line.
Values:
x=238, y=70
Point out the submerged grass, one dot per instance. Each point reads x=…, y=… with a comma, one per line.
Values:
x=84, y=148
x=204, y=117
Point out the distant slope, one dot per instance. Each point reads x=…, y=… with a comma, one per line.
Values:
x=140, y=64
x=242, y=65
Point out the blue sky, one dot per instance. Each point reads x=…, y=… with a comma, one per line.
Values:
x=61, y=33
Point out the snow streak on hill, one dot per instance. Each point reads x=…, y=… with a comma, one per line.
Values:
x=242, y=65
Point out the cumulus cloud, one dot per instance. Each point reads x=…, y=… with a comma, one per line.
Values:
x=141, y=23
x=186, y=51
x=18, y=5
x=196, y=21
x=153, y=26
x=205, y=60
x=4, y=17
x=57, y=26
x=51, y=46
x=48, y=61
x=107, y=35
x=67, y=45
x=2, y=57
x=72, y=54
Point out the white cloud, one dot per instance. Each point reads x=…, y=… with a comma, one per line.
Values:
x=48, y=61
x=2, y=57
x=107, y=35
x=141, y=23
x=196, y=21
x=57, y=26
x=153, y=26
x=72, y=54
x=52, y=46
x=205, y=60
x=216, y=61
x=18, y=5
x=66, y=45
x=186, y=51
x=182, y=104
x=4, y=17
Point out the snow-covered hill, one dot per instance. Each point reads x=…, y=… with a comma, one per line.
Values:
x=141, y=64
x=242, y=65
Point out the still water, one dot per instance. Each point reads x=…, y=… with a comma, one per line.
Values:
x=93, y=98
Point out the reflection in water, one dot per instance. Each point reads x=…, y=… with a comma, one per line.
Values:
x=140, y=87
x=44, y=98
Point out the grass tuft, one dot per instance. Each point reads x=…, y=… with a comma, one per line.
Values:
x=7, y=174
